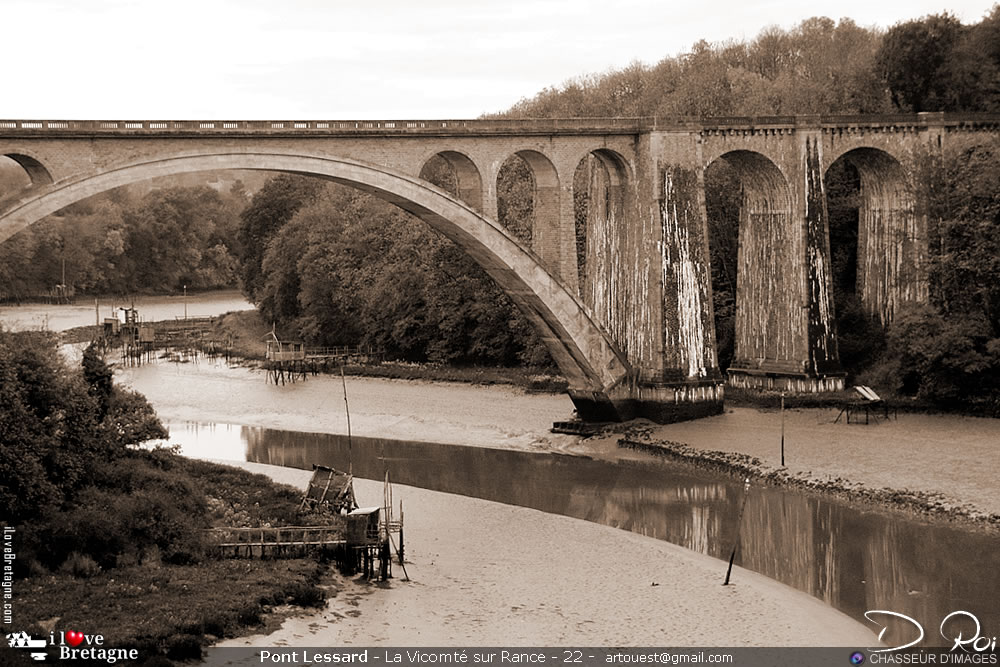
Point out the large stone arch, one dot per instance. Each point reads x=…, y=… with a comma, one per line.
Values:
x=769, y=277
x=892, y=244
x=586, y=356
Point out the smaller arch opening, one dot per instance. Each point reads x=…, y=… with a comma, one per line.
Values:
x=36, y=172
x=13, y=178
x=457, y=174
x=545, y=236
x=516, y=198
x=600, y=185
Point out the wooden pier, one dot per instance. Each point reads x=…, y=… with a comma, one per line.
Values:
x=359, y=538
x=280, y=542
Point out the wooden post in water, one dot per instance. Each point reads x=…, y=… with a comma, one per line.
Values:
x=401, y=546
x=347, y=409
x=739, y=524
x=782, y=429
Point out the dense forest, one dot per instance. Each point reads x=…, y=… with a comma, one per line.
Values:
x=342, y=267
x=333, y=265
x=133, y=240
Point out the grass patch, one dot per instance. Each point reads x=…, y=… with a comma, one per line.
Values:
x=169, y=610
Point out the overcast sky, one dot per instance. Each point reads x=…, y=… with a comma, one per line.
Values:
x=382, y=59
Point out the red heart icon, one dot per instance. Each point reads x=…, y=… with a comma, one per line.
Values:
x=74, y=638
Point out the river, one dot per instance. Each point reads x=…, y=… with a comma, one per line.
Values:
x=85, y=311
x=853, y=559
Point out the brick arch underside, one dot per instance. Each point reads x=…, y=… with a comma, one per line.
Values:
x=767, y=292
x=892, y=243
x=583, y=352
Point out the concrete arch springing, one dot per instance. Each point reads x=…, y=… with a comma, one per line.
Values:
x=36, y=171
x=468, y=183
x=892, y=244
x=768, y=294
x=590, y=361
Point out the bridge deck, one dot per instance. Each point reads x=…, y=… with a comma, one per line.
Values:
x=491, y=126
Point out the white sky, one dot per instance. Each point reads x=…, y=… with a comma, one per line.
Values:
x=382, y=59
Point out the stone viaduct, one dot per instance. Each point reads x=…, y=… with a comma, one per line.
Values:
x=632, y=329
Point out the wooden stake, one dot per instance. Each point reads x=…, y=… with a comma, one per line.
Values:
x=347, y=409
x=406, y=577
x=739, y=524
x=782, y=429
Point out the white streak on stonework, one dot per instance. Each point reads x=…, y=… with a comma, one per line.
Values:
x=685, y=272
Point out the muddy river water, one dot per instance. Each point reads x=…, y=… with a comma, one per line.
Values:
x=492, y=443
x=853, y=559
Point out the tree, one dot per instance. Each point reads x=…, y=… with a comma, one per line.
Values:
x=913, y=58
x=269, y=210
x=351, y=269
x=99, y=378
x=966, y=271
x=57, y=423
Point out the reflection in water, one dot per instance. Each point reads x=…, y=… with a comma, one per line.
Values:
x=853, y=559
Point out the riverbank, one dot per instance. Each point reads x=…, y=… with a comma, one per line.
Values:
x=486, y=574
x=937, y=466
x=446, y=412
x=242, y=335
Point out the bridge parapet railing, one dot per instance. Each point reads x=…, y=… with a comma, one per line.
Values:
x=484, y=125
x=319, y=126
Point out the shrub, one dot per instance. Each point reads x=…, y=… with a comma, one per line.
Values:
x=183, y=647
x=952, y=361
x=80, y=566
x=860, y=337
x=132, y=510
x=306, y=595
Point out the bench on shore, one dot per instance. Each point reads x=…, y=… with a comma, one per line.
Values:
x=869, y=402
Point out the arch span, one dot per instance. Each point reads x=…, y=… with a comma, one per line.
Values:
x=891, y=251
x=587, y=357
x=767, y=293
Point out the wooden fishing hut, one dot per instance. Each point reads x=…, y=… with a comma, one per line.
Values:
x=127, y=330
x=284, y=359
x=367, y=541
